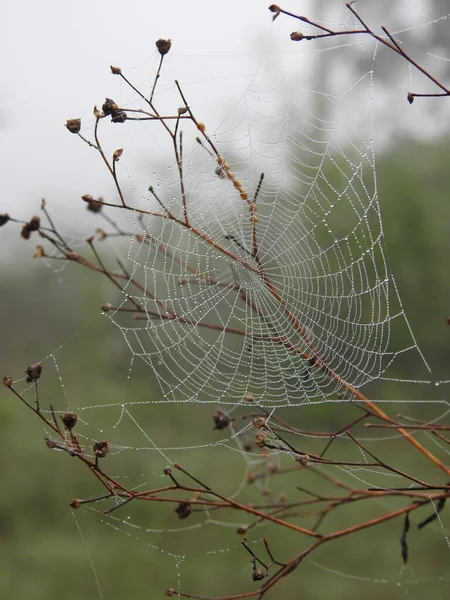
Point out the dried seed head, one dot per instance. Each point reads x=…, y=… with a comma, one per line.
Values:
x=117, y=154
x=34, y=223
x=167, y=471
x=7, y=381
x=410, y=97
x=260, y=440
x=119, y=116
x=170, y=592
x=50, y=443
x=221, y=420
x=106, y=307
x=183, y=510
x=242, y=530
x=109, y=106
x=25, y=233
x=201, y=127
x=163, y=46
x=259, y=422
x=303, y=459
x=76, y=503
x=40, y=252
x=4, y=218
x=257, y=574
x=182, y=111
x=297, y=36
x=33, y=372
x=94, y=206
x=73, y=125
x=69, y=420
x=101, y=449
x=276, y=10
x=97, y=113
x=115, y=70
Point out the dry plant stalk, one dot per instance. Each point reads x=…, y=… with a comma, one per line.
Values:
x=184, y=490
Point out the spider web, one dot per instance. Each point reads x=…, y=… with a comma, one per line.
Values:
x=215, y=332
x=320, y=243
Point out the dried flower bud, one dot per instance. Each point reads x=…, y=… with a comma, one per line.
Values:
x=297, y=36
x=76, y=503
x=7, y=381
x=4, y=218
x=257, y=574
x=25, y=233
x=102, y=235
x=201, y=127
x=282, y=497
x=260, y=440
x=101, y=449
x=244, y=195
x=106, y=307
x=97, y=113
x=42, y=203
x=182, y=111
x=303, y=459
x=119, y=116
x=410, y=97
x=117, y=154
x=167, y=471
x=163, y=46
x=242, y=530
x=73, y=125
x=275, y=9
x=33, y=372
x=34, y=223
x=221, y=420
x=94, y=206
x=183, y=510
x=272, y=467
x=69, y=420
x=109, y=107
x=50, y=443
x=259, y=422
x=72, y=256
x=170, y=592
x=115, y=70
x=40, y=252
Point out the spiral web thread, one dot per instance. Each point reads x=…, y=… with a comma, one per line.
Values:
x=320, y=242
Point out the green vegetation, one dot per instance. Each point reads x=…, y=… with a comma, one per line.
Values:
x=43, y=554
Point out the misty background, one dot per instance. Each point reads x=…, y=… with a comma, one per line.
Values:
x=56, y=58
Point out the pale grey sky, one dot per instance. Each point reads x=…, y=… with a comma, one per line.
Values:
x=56, y=56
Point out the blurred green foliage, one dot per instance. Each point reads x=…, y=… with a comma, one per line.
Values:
x=49, y=551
